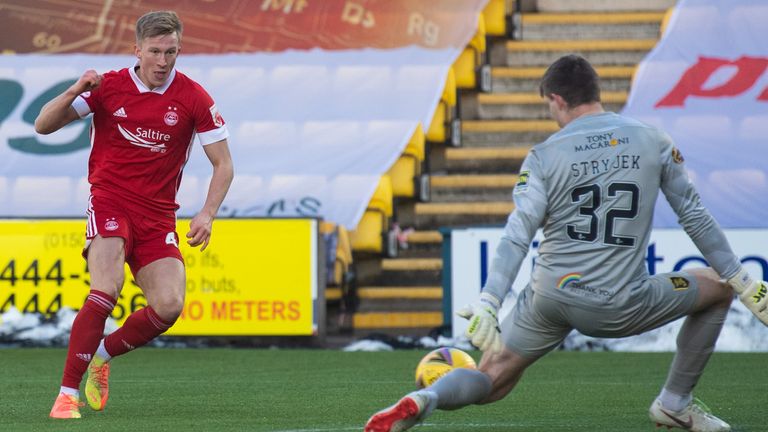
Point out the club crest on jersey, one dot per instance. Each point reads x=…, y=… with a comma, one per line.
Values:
x=522, y=181
x=677, y=157
x=111, y=224
x=218, y=120
x=171, y=118
x=679, y=283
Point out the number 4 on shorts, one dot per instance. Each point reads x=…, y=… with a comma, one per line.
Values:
x=170, y=238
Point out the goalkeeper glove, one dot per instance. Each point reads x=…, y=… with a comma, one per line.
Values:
x=483, y=329
x=753, y=293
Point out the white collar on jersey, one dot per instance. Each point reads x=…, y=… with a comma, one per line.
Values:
x=143, y=88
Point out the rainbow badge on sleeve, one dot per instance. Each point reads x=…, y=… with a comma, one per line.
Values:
x=565, y=280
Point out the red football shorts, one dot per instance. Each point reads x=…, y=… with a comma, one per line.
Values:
x=147, y=239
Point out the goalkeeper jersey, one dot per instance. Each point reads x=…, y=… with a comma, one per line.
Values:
x=592, y=187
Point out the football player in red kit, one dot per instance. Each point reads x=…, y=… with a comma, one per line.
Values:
x=145, y=119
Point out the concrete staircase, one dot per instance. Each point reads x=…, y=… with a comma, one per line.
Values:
x=472, y=185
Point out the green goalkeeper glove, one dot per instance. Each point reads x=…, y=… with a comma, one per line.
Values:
x=483, y=329
x=753, y=293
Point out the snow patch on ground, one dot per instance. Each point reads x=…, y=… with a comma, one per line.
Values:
x=742, y=332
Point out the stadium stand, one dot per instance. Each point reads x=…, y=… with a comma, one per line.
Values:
x=444, y=126
x=340, y=259
x=495, y=17
x=340, y=295
x=406, y=172
x=471, y=184
x=454, y=166
x=471, y=68
x=372, y=234
x=665, y=20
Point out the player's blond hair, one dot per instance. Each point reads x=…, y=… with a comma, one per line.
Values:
x=158, y=23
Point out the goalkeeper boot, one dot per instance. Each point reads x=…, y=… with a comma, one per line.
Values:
x=97, y=385
x=696, y=417
x=66, y=407
x=401, y=416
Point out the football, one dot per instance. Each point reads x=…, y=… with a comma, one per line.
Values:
x=439, y=362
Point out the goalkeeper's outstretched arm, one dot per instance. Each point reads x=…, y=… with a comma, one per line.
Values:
x=530, y=206
x=706, y=234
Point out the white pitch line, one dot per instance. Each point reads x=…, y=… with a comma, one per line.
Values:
x=357, y=428
x=421, y=426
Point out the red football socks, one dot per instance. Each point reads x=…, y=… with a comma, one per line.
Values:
x=87, y=331
x=141, y=327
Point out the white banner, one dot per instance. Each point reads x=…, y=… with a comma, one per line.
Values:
x=311, y=132
x=706, y=83
x=668, y=250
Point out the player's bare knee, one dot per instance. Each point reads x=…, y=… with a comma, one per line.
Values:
x=107, y=282
x=169, y=308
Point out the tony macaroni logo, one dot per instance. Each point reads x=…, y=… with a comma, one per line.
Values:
x=569, y=278
x=594, y=142
x=140, y=138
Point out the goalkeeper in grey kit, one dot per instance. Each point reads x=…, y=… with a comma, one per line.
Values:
x=592, y=187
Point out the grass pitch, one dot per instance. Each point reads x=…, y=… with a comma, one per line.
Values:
x=322, y=390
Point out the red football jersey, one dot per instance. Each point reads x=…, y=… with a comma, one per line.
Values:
x=141, y=138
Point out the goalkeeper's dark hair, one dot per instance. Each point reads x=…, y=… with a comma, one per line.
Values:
x=572, y=78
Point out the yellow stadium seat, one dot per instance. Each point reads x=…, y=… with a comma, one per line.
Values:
x=470, y=67
x=406, y=173
x=665, y=21
x=444, y=124
x=367, y=236
x=341, y=254
x=372, y=233
x=403, y=178
x=416, y=144
x=495, y=14
x=381, y=200
x=343, y=251
x=634, y=74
